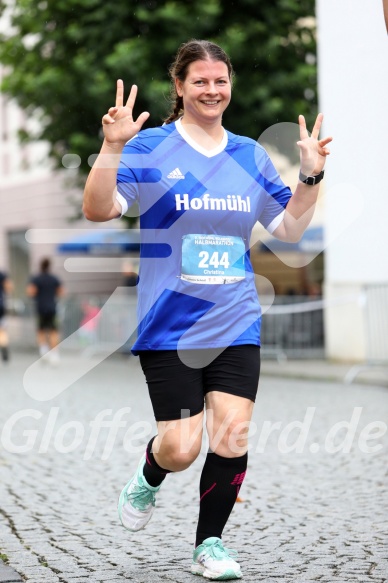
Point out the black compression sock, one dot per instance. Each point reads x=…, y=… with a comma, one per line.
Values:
x=220, y=483
x=152, y=472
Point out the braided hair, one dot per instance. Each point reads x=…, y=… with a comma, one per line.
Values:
x=193, y=50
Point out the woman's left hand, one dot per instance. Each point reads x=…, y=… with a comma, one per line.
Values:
x=313, y=152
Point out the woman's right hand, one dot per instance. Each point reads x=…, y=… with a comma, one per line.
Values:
x=118, y=124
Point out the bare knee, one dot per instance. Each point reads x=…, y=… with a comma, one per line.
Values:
x=175, y=458
x=178, y=443
x=174, y=453
x=231, y=440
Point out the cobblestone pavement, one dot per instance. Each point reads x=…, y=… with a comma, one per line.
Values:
x=315, y=500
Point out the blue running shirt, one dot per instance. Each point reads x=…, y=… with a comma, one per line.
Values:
x=197, y=210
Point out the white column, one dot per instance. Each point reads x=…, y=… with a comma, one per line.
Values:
x=353, y=89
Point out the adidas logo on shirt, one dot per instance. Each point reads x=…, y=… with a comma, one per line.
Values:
x=177, y=174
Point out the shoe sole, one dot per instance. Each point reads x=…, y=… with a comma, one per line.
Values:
x=227, y=576
x=121, y=502
x=120, y=511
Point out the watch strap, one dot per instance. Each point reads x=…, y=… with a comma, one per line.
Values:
x=311, y=180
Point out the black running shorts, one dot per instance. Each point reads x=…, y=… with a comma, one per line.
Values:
x=47, y=321
x=175, y=386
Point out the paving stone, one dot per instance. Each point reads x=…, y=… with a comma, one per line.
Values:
x=8, y=574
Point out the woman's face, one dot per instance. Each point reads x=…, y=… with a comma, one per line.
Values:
x=206, y=92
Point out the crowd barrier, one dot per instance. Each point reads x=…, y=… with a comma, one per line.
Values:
x=291, y=328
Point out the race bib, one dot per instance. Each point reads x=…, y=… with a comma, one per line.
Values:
x=213, y=259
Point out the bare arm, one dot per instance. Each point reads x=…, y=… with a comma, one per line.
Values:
x=99, y=202
x=299, y=212
x=31, y=290
x=301, y=206
x=8, y=286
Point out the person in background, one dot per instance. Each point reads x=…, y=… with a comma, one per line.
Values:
x=90, y=320
x=128, y=298
x=46, y=288
x=5, y=289
x=130, y=276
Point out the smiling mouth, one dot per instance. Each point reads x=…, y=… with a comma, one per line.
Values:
x=208, y=102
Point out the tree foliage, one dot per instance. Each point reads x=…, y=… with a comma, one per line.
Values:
x=62, y=59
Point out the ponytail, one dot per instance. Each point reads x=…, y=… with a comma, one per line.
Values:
x=176, y=112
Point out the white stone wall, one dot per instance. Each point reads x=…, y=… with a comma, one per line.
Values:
x=353, y=89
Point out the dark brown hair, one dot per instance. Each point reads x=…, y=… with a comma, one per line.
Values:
x=45, y=265
x=193, y=50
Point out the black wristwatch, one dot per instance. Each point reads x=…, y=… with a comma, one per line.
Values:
x=311, y=180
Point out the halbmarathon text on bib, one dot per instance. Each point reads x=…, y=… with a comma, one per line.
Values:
x=212, y=259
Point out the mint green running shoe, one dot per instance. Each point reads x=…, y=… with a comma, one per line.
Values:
x=137, y=501
x=213, y=561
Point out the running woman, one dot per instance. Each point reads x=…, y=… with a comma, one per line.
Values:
x=200, y=190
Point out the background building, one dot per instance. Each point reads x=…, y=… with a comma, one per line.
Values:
x=33, y=196
x=353, y=88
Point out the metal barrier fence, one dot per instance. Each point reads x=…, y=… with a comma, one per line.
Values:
x=102, y=324
x=92, y=324
x=292, y=328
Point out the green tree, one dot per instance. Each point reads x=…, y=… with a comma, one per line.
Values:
x=62, y=58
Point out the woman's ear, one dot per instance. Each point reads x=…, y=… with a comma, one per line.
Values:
x=178, y=87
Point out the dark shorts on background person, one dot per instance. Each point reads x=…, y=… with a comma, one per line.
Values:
x=47, y=321
x=2, y=312
x=175, y=386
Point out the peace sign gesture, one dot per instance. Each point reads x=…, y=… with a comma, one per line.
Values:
x=313, y=152
x=118, y=124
